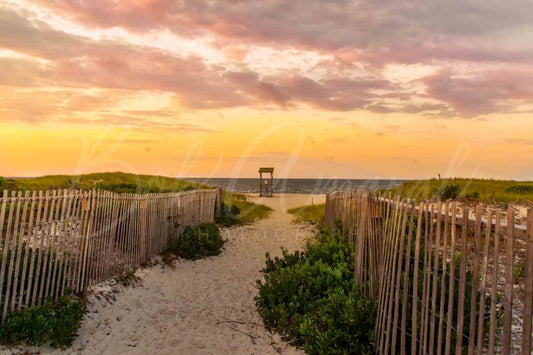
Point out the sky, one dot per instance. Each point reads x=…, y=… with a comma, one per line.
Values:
x=317, y=89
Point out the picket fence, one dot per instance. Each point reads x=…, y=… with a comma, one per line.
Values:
x=61, y=240
x=447, y=278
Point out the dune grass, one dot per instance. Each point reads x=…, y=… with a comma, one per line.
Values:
x=249, y=211
x=312, y=214
x=483, y=190
x=113, y=181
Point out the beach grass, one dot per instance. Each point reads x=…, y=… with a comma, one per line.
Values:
x=312, y=214
x=113, y=181
x=249, y=211
x=482, y=190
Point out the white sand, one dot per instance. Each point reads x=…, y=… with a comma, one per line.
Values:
x=200, y=307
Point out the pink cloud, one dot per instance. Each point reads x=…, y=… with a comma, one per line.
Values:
x=399, y=31
x=483, y=93
x=360, y=38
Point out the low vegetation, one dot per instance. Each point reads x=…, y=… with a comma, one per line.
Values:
x=484, y=190
x=309, y=298
x=56, y=322
x=237, y=209
x=116, y=182
x=312, y=214
x=128, y=277
x=195, y=242
x=227, y=216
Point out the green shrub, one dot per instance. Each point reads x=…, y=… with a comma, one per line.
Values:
x=520, y=189
x=128, y=277
x=340, y=324
x=472, y=195
x=448, y=192
x=309, y=298
x=199, y=241
x=56, y=322
x=227, y=216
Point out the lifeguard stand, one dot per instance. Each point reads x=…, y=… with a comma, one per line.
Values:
x=266, y=184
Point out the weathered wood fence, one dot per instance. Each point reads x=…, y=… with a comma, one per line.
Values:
x=70, y=239
x=447, y=278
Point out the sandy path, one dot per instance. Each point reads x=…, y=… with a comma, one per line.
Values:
x=192, y=309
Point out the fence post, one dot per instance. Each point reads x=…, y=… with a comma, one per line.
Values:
x=509, y=281
x=219, y=200
x=528, y=290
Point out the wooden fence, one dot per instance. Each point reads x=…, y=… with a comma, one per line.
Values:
x=70, y=239
x=447, y=278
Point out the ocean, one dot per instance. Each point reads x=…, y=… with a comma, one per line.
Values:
x=298, y=186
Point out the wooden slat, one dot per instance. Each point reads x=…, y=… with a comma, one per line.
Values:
x=451, y=291
x=138, y=232
x=381, y=299
x=428, y=230
x=435, y=271
x=462, y=282
x=78, y=232
x=442, y=315
x=396, y=279
x=110, y=258
x=21, y=233
x=386, y=319
x=88, y=235
x=54, y=244
x=494, y=289
x=72, y=238
x=528, y=288
x=67, y=245
x=4, y=246
x=108, y=261
x=130, y=230
x=407, y=269
x=94, y=236
x=475, y=277
x=65, y=206
x=49, y=245
x=483, y=287
x=121, y=230
x=43, y=226
x=509, y=282
x=10, y=242
x=30, y=248
x=414, y=315
x=102, y=225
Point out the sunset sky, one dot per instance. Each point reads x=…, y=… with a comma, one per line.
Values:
x=338, y=88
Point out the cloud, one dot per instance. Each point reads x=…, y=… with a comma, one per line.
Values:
x=519, y=141
x=357, y=38
x=496, y=90
x=403, y=31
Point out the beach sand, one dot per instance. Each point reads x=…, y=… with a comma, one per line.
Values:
x=199, y=307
